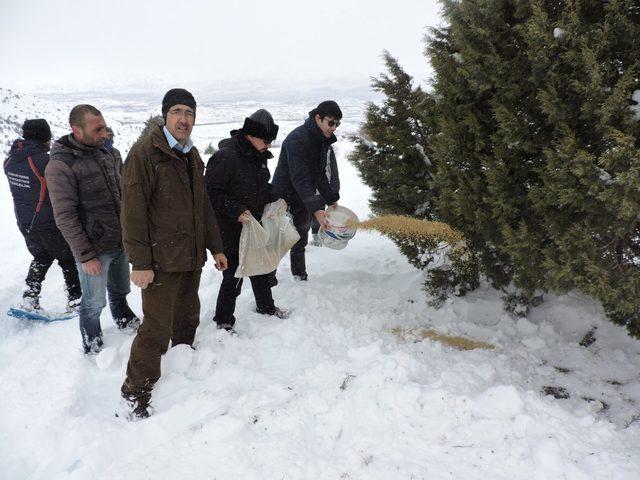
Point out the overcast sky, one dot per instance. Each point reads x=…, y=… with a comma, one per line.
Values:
x=83, y=44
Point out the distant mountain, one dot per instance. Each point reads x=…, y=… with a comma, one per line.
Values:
x=16, y=107
x=150, y=92
x=219, y=110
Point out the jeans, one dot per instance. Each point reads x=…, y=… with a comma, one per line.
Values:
x=113, y=278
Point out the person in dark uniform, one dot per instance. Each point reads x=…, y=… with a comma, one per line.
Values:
x=25, y=168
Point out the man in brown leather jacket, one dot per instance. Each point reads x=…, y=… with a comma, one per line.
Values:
x=168, y=224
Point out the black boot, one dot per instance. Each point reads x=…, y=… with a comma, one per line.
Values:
x=72, y=288
x=135, y=407
x=30, y=302
x=124, y=316
x=276, y=312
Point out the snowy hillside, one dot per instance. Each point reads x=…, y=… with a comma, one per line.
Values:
x=16, y=107
x=363, y=381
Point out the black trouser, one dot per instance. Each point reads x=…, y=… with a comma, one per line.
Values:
x=315, y=226
x=302, y=222
x=231, y=288
x=47, y=245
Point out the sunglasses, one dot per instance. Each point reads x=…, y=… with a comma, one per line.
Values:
x=333, y=123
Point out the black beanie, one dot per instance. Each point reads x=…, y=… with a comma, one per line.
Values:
x=36, y=129
x=177, y=96
x=260, y=124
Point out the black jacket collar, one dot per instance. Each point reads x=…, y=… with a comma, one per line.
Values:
x=244, y=146
x=311, y=125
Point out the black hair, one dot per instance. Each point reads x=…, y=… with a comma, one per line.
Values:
x=329, y=108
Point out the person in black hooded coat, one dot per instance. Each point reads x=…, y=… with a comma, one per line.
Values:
x=237, y=179
x=24, y=168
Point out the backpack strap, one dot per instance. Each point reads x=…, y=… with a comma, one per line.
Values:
x=43, y=184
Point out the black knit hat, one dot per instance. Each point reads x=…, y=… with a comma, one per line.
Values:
x=177, y=96
x=260, y=124
x=36, y=129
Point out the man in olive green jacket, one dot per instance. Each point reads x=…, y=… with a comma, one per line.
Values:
x=167, y=226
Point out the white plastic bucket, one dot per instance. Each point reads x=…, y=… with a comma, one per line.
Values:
x=343, y=224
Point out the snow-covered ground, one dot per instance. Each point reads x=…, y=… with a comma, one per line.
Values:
x=346, y=388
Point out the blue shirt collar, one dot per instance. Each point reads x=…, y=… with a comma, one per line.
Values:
x=173, y=143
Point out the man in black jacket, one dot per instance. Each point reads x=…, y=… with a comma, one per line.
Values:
x=24, y=168
x=238, y=185
x=304, y=178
